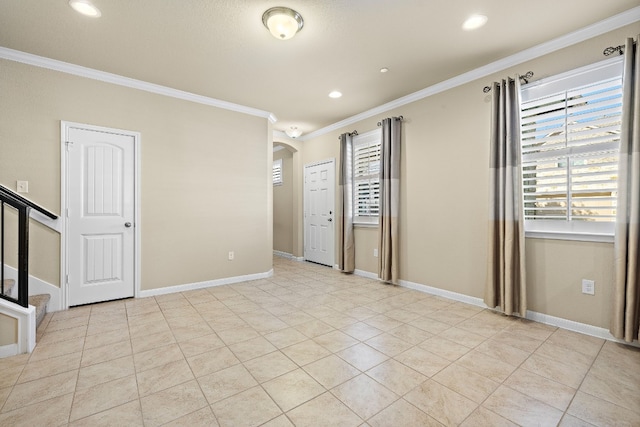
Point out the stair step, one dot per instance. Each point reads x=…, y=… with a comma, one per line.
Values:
x=8, y=286
x=40, y=303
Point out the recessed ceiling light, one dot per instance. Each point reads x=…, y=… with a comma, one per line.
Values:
x=384, y=69
x=335, y=94
x=85, y=7
x=474, y=22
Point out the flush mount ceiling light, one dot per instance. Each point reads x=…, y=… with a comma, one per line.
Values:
x=282, y=22
x=85, y=7
x=384, y=69
x=293, y=132
x=335, y=94
x=474, y=22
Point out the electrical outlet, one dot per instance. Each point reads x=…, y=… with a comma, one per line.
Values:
x=588, y=287
x=231, y=255
x=375, y=252
x=22, y=186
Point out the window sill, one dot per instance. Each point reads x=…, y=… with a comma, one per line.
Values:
x=365, y=225
x=580, y=237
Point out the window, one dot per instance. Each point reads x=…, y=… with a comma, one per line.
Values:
x=277, y=172
x=570, y=143
x=366, y=177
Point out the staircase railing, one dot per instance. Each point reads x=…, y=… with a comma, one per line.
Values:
x=23, y=207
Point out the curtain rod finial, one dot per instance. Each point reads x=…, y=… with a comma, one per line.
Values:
x=611, y=50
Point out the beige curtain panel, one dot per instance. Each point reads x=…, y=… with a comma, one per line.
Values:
x=625, y=322
x=389, y=200
x=506, y=275
x=346, y=245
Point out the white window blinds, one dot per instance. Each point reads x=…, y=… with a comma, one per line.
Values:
x=366, y=177
x=277, y=172
x=570, y=142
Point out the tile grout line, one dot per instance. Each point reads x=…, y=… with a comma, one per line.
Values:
x=248, y=305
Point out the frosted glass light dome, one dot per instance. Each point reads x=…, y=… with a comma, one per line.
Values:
x=282, y=22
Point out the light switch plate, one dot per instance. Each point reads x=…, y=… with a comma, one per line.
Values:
x=588, y=287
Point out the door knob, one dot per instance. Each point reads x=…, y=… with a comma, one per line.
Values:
x=127, y=224
x=330, y=219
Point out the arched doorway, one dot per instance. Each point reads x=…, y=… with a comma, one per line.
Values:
x=287, y=201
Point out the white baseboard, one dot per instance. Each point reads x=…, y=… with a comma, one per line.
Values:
x=205, y=284
x=282, y=254
x=36, y=287
x=287, y=255
x=8, y=350
x=443, y=293
x=582, y=328
x=428, y=289
x=366, y=274
x=546, y=319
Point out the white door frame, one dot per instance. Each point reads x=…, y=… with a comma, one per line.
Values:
x=64, y=202
x=304, y=219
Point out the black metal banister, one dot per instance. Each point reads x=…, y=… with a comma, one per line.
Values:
x=23, y=207
x=5, y=191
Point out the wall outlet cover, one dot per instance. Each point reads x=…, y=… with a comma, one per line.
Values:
x=22, y=186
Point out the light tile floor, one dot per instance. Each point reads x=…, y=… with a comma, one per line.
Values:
x=313, y=347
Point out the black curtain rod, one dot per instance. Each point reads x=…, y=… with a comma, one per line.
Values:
x=525, y=78
x=607, y=52
x=401, y=118
x=355, y=132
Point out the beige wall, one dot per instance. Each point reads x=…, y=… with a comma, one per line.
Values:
x=196, y=204
x=444, y=184
x=555, y=269
x=366, y=240
x=444, y=198
x=283, y=226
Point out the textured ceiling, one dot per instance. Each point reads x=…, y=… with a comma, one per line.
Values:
x=220, y=49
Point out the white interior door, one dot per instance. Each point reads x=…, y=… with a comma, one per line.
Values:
x=319, y=212
x=100, y=216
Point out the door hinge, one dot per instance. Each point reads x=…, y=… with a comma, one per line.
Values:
x=68, y=143
x=67, y=212
x=66, y=278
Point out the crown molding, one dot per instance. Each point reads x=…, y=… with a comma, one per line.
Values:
x=90, y=73
x=617, y=21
